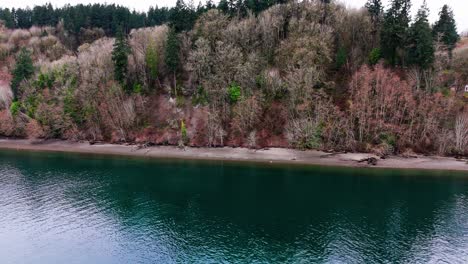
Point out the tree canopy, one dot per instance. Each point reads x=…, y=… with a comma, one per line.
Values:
x=421, y=47
x=446, y=29
x=23, y=70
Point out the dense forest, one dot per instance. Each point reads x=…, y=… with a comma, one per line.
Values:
x=302, y=74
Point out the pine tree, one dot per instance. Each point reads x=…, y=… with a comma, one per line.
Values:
x=223, y=5
x=7, y=16
x=23, y=70
x=182, y=16
x=421, y=46
x=375, y=9
x=446, y=29
x=172, y=54
x=120, y=57
x=394, y=32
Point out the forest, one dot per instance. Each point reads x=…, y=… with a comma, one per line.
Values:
x=310, y=74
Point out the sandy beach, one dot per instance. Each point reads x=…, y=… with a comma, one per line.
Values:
x=271, y=155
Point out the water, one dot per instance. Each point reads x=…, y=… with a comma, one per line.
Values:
x=64, y=208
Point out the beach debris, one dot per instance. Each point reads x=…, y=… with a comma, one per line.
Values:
x=370, y=160
x=142, y=146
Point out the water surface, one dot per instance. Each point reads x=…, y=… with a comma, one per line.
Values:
x=65, y=208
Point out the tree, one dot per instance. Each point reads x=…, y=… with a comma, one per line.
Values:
x=152, y=62
x=7, y=17
x=223, y=5
x=421, y=47
x=23, y=70
x=182, y=16
x=461, y=132
x=395, y=32
x=375, y=9
x=446, y=29
x=172, y=54
x=120, y=57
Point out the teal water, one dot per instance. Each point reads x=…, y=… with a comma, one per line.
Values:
x=64, y=208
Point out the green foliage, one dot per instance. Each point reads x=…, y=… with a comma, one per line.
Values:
x=172, y=54
x=375, y=9
x=445, y=91
x=308, y=135
x=260, y=81
x=30, y=105
x=374, y=56
x=72, y=108
x=172, y=51
x=201, y=97
x=395, y=31
x=421, y=47
x=120, y=58
x=44, y=80
x=137, y=88
x=180, y=101
x=446, y=28
x=340, y=59
x=14, y=108
x=24, y=69
x=389, y=139
x=183, y=132
x=8, y=17
x=152, y=61
x=234, y=92
x=182, y=16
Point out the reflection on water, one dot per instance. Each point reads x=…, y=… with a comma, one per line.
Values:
x=57, y=208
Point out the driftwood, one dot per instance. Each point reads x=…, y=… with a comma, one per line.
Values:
x=371, y=161
x=143, y=146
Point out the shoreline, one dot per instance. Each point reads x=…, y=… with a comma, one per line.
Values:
x=271, y=155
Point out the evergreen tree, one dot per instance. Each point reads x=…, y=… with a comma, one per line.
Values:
x=210, y=5
x=172, y=54
x=120, y=57
x=446, y=29
x=23, y=70
x=182, y=16
x=7, y=16
x=394, y=32
x=375, y=9
x=421, y=47
x=223, y=5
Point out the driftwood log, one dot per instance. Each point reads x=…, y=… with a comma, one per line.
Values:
x=371, y=161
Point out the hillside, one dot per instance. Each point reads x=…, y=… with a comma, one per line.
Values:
x=306, y=75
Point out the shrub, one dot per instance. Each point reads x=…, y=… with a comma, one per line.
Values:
x=14, y=108
x=340, y=57
x=304, y=134
x=374, y=56
x=246, y=115
x=137, y=88
x=201, y=97
x=234, y=92
x=183, y=133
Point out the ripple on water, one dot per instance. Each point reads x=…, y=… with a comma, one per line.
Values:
x=69, y=209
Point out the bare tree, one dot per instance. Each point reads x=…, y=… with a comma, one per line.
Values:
x=461, y=132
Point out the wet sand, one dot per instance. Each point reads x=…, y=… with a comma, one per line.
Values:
x=271, y=155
